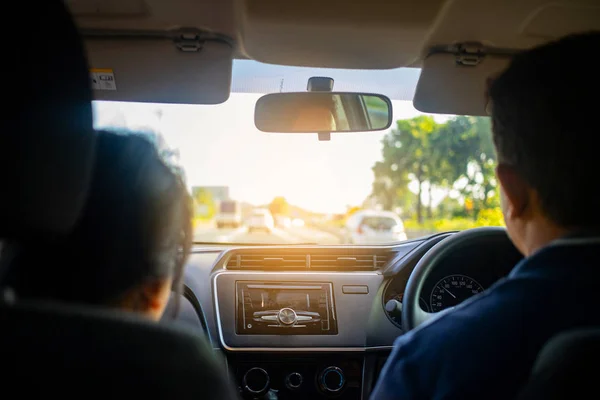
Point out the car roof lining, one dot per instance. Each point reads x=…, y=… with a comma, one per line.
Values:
x=374, y=34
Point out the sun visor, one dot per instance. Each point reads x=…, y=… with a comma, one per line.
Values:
x=451, y=85
x=158, y=71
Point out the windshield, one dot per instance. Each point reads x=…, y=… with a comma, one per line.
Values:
x=433, y=172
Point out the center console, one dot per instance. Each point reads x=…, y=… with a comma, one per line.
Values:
x=275, y=308
x=307, y=376
x=295, y=335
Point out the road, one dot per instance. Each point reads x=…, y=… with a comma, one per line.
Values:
x=209, y=233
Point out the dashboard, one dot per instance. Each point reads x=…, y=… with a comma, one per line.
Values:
x=319, y=321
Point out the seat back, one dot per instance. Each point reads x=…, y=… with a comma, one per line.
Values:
x=46, y=158
x=73, y=352
x=566, y=367
x=47, y=138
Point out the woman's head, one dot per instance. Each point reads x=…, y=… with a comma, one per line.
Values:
x=129, y=246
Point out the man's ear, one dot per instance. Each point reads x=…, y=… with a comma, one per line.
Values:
x=516, y=191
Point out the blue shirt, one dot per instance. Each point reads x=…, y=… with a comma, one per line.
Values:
x=485, y=348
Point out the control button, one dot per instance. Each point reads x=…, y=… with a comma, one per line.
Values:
x=332, y=380
x=287, y=316
x=293, y=381
x=256, y=381
x=355, y=289
x=394, y=308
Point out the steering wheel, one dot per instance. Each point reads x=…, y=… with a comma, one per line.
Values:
x=412, y=313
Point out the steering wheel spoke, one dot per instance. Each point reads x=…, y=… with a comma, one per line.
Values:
x=423, y=316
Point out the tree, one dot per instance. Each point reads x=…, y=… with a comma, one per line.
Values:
x=407, y=155
x=279, y=206
x=457, y=156
x=472, y=159
x=450, y=208
x=384, y=189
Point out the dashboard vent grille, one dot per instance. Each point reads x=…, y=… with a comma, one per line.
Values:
x=262, y=262
x=308, y=260
x=356, y=262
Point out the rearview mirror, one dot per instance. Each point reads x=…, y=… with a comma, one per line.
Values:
x=317, y=112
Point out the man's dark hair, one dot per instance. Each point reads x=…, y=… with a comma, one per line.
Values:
x=136, y=225
x=544, y=107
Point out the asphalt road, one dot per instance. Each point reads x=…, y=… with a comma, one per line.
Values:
x=208, y=233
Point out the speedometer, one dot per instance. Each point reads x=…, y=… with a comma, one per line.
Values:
x=453, y=290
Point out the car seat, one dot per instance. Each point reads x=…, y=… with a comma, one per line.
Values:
x=46, y=156
x=566, y=367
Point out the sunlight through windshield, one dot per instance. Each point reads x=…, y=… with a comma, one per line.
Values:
x=428, y=173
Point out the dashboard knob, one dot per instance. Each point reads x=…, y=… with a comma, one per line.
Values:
x=393, y=307
x=287, y=316
x=293, y=381
x=332, y=380
x=256, y=381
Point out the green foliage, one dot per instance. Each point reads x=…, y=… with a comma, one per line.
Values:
x=488, y=217
x=471, y=156
x=408, y=154
x=491, y=217
x=279, y=206
x=456, y=157
x=375, y=103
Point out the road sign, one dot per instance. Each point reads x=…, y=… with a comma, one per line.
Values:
x=219, y=193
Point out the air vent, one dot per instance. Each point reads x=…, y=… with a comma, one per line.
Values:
x=314, y=260
x=261, y=262
x=347, y=262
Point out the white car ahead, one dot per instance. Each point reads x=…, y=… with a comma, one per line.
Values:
x=374, y=227
x=261, y=220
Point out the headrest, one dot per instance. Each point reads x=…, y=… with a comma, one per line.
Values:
x=46, y=149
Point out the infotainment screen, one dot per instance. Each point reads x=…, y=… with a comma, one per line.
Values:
x=285, y=308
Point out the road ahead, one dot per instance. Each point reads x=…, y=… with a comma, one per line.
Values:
x=208, y=233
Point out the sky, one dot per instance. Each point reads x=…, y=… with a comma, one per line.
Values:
x=220, y=146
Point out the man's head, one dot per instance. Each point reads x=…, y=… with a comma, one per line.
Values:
x=543, y=110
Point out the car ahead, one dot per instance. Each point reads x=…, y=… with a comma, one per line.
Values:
x=374, y=227
x=261, y=220
x=298, y=222
x=230, y=214
x=282, y=221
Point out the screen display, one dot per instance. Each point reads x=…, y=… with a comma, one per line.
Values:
x=285, y=309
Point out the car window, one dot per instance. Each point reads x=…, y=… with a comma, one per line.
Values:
x=341, y=119
x=433, y=172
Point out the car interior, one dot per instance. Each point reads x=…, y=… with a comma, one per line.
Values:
x=257, y=320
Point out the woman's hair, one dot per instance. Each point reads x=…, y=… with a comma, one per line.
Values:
x=136, y=226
